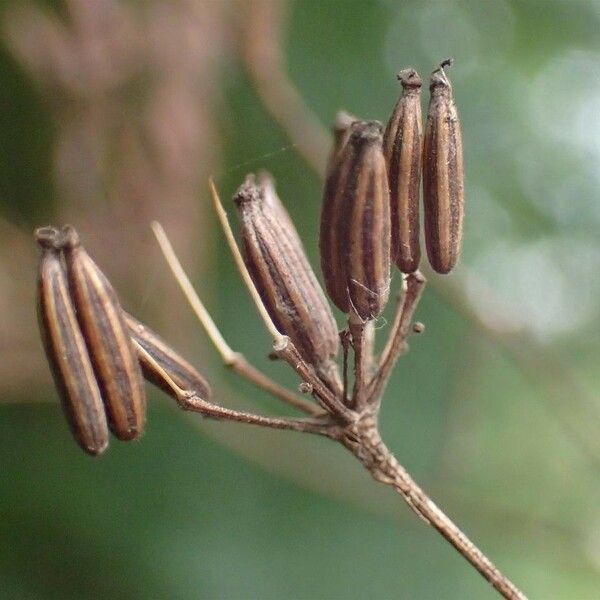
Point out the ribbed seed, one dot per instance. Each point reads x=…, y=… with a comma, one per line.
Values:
x=402, y=143
x=66, y=349
x=355, y=225
x=266, y=183
x=288, y=287
x=107, y=337
x=443, y=176
x=183, y=374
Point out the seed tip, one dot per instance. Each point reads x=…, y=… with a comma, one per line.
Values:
x=366, y=131
x=249, y=191
x=343, y=120
x=409, y=78
x=439, y=77
x=48, y=237
x=70, y=237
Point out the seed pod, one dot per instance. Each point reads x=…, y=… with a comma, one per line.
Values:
x=402, y=144
x=355, y=225
x=443, y=176
x=278, y=266
x=107, y=337
x=183, y=374
x=266, y=183
x=66, y=349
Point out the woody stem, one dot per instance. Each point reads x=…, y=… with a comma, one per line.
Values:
x=191, y=402
x=357, y=332
x=396, y=346
x=364, y=441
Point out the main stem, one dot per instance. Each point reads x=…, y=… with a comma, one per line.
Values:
x=364, y=441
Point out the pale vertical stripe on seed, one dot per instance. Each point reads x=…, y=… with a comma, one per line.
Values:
x=67, y=352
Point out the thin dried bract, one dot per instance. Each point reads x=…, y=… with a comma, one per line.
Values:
x=107, y=337
x=403, y=146
x=443, y=176
x=66, y=349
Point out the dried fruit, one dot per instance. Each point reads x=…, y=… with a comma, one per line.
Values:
x=66, y=349
x=355, y=225
x=107, y=337
x=283, y=277
x=182, y=373
x=443, y=176
x=402, y=143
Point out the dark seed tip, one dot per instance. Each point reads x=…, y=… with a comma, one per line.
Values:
x=249, y=191
x=439, y=77
x=48, y=237
x=409, y=78
x=366, y=132
x=70, y=237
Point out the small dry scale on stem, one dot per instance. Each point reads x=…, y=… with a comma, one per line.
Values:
x=369, y=223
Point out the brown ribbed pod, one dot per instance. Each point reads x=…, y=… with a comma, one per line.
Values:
x=66, y=349
x=183, y=374
x=283, y=277
x=402, y=146
x=107, y=337
x=443, y=175
x=355, y=224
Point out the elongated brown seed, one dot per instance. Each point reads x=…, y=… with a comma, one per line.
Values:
x=443, y=176
x=183, y=374
x=66, y=349
x=107, y=337
x=403, y=145
x=288, y=287
x=355, y=225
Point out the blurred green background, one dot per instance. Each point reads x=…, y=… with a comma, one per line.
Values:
x=114, y=113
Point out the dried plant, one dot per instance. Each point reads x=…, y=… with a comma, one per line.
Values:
x=130, y=88
x=356, y=252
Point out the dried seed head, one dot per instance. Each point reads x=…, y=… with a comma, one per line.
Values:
x=66, y=349
x=107, y=337
x=402, y=143
x=355, y=225
x=278, y=266
x=443, y=175
x=183, y=374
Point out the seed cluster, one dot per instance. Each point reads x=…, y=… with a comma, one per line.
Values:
x=96, y=351
x=99, y=354
x=369, y=221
